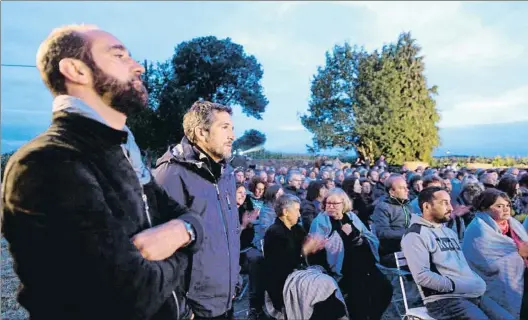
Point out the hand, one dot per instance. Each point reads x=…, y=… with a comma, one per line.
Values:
x=459, y=211
x=159, y=243
x=347, y=229
x=523, y=249
x=253, y=216
x=313, y=244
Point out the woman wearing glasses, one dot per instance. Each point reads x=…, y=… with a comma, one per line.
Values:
x=351, y=257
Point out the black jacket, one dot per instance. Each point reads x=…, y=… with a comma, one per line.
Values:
x=282, y=255
x=308, y=213
x=72, y=202
x=378, y=190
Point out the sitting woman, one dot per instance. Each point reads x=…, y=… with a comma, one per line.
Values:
x=496, y=248
x=285, y=249
x=257, y=186
x=267, y=214
x=351, y=257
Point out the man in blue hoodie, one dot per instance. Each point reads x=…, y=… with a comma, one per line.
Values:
x=196, y=173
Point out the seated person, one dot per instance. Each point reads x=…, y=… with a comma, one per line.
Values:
x=351, y=256
x=496, y=247
x=450, y=289
x=285, y=249
x=391, y=217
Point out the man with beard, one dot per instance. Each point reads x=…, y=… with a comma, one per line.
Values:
x=196, y=173
x=79, y=203
x=450, y=289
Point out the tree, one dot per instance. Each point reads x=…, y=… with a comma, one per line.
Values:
x=5, y=158
x=204, y=68
x=250, y=139
x=377, y=103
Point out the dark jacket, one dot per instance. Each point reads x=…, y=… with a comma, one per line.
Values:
x=282, y=255
x=72, y=202
x=378, y=190
x=391, y=218
x=299, y=193
x=207, y=187
x=308, y=213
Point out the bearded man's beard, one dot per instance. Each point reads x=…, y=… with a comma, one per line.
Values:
x=123, y=97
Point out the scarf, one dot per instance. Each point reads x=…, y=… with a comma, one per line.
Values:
x=130, y=148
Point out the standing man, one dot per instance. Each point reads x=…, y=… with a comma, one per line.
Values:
x=78, y=204
x=197, y=174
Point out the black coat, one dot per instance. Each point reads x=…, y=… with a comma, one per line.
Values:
x=72, y=202
x=282, y=255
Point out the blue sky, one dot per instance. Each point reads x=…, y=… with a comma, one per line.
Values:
x=476, y=52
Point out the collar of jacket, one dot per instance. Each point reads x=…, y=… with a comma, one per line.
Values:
x=395, y=201
x=92, y=131
x=192, y=154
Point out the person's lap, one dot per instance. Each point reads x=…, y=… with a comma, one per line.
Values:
x=455, y=308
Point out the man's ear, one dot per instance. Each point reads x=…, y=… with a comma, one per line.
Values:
x=200, y=134
x=75, y=71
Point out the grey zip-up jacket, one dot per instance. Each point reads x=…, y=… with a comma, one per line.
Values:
x=189, y=177
x=436, y=261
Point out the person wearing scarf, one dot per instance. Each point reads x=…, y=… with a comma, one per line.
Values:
x=496, y=248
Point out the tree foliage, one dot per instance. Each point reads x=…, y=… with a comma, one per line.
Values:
x=5, y=158
x=376, y=103
x=250, y=139
x=203, y=68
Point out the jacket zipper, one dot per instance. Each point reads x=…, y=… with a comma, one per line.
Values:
x=147, y=213
x=224, y=220
x=149, y=220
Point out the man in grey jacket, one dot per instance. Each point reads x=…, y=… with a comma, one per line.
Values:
x=196, y=173
x=450, y=289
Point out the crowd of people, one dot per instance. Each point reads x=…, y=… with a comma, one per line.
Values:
x=461, y=231
x=96, y=234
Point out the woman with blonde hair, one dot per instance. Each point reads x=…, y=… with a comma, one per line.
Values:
x=351, y=257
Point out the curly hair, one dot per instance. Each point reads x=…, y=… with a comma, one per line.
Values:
x=201, y=114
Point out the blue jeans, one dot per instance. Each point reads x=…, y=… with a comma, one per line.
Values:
x=456, y=308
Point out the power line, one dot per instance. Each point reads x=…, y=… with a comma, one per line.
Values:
x=18, y=65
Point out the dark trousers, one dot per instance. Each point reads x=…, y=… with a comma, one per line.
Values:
x=330, y=309
x=229, y=315
x=456, y=308
x=252, y=261
x=368, y=295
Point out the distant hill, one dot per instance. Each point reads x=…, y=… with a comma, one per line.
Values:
x=505, y=139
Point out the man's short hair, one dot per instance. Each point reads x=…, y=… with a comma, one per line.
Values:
x=390, y=180
x=61, y=43
x=523, y=180
x=427, y=195
x=201, y=114
x=292, y=173
x=430, y=179
x=284, y=202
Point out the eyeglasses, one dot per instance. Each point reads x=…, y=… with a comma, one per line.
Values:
x=333, y=204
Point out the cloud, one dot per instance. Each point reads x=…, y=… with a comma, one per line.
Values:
x=511, y=106
x=446, y=30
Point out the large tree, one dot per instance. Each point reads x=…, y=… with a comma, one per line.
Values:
x=203, y=68
x=376, y=103
x=250, y=139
